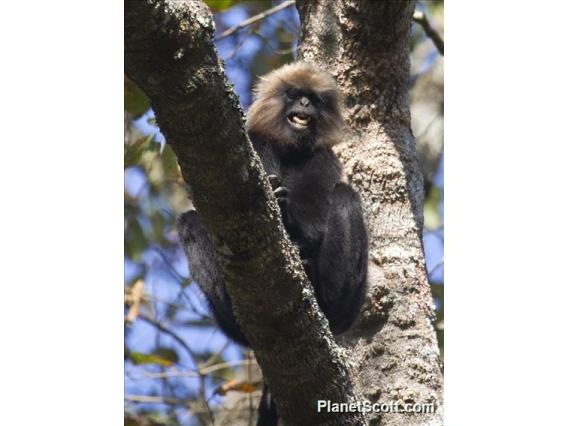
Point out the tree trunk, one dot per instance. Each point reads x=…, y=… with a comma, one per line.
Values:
x=169, y=53
x=365, y=45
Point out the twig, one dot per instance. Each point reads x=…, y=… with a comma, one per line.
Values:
x=192, y=354
x=192, y=373
x=165, y=302
x=180, y=278
x=420, y=18
x=438, y=265
x=150, y=399
x=214, y=356
x=196, y=309
x=173, y=335
x=427, y=128
x=249, y=376
x=155, y=399
x=276, y=51
x=233, y=53
x=255, y=19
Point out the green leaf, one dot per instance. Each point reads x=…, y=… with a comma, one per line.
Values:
x=432, y=219
x=133, y=153
x=161, y=356
x=170, y=163
x=135, y=101
x=168, y=354
x=220, y=5
x=135, y=241
x=139, y=358
x=158, y=223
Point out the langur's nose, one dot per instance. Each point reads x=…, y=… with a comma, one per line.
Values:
x=305, y=102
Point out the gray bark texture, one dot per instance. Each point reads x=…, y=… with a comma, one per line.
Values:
x=365, y=45
x=169, y=53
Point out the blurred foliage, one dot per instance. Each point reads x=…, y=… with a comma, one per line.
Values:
x=438, y=294
x=432, y=218
x=148, y=419
x=220, y=5
x=135, y=101
x=154, y=196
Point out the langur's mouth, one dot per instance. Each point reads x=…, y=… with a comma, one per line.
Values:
x=299, y=121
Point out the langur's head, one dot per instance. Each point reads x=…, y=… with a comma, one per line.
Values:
x=296, y=107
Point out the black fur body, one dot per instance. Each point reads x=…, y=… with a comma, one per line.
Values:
x=292, y=125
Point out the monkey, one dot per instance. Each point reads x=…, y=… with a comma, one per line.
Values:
x=292, y=124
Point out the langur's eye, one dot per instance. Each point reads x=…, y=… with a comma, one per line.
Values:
x=317, y=100
x=293, y=93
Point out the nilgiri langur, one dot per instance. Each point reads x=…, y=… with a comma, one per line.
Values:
x=293, y=123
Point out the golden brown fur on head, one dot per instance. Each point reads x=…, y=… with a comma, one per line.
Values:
x=267, y=115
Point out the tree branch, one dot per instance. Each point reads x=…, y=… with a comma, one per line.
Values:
x=148, y=399
x=420, y=18
x=169, y=53
x=255, y=18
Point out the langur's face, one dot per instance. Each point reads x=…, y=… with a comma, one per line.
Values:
x=307, y=115
x=302, y=109
x=297, y=108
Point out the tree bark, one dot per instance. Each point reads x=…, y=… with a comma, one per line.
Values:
x=169, y=53
x=365, y=45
